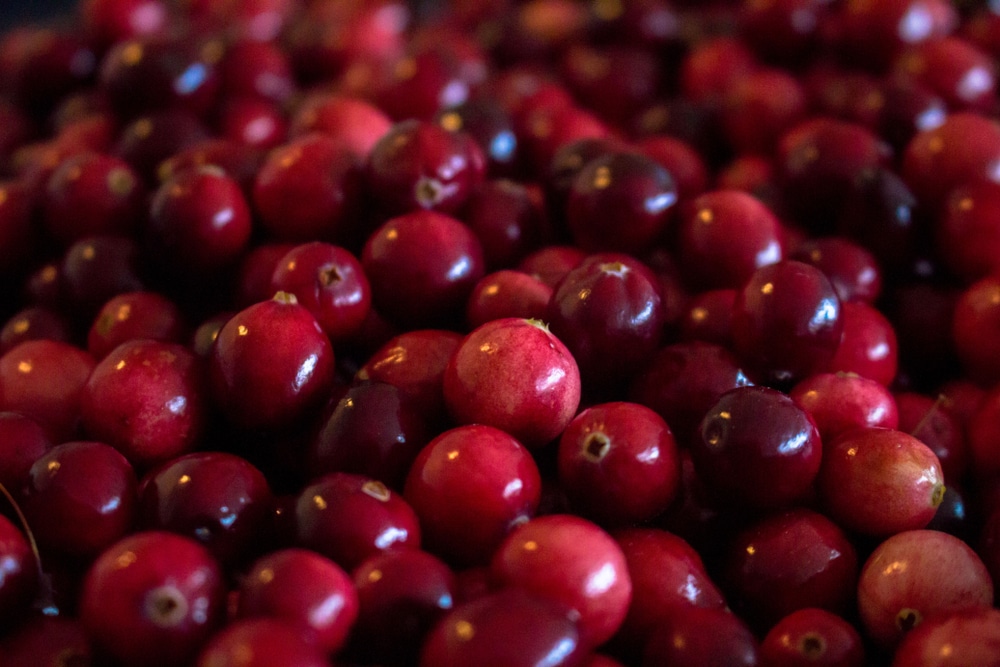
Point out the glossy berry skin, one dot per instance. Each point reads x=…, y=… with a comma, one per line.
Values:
x=610, y=313
x=508, y=218
x=147, y=399
x=97, y=268
x=879, y=481
x=480, y=632
x=569, y=560
x=32, y=323
x=507, y=293
x=726, y=235
x=110, y=21
x=786, y=321
x=18, y=574
x=401, y=596
x=962, y=74
x=132, y=316
x=259, y=642
x=969, y=230
x=307, y=189
x=868, y=345
x=853, y=271
x=970, y=637
x=45, y=380
x=329, y=282
x=702, y=636
x=838, y=402
x=420, y=165
x=354, y=122
x=812, y=637
x=620, y=202
x=270, y=364
x=618, y=463
x=200, y=221
x=753, y=434
x=80, y=497
x=551, y=263
x=790, y=561
x=349, y=518
x=515, y=375
x=22, y=442
x=915, y=575
x=152, y=598
x=219, y=499
x=975, y=320
x=470, y=486
x=668, y=577
x=934, y=422
x=422, y=267
x=305, y=588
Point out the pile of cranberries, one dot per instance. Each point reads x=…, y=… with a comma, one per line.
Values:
x=501, y=333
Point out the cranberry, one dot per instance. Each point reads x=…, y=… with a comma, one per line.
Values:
x=702, y=636
x=253, y=280
x=515, y=375
x=754, y=433
x=914, y=575
x=932, y=421
x=908, y=107
x=874, y=32
x=761, y=106
x=955, y=638
x=35, y=323
x=111, y=21
x=45, y=380
x=354, y=122
x=620, y=201
x=422, y=267
x=812, y=636
x=984, y=457
x=303, y=587
x=711, y=68
x=56, y=62
x=22, y=442
x=976, y=318
x=256, y=70
x=238, y=161
x=147, y=399
x=152, y=598
x=868, y=345
x=610, y=313
x=507, y=219
x=962, y=74
x=270, y=364
x=668, y=577
x=486, y=122
x=149, y=140
x=20, y=576
x=785, y=30
x=328, y=281
x=132, y=316
x=682, y=161
x=470, y=486
x=97, y=268
x=480, y=632
x=218, y=499
x=47, y=641
x=349, y=518
x=567, y=162
x=17, y=229
x=259, y=642
x=571, y=561
x=92, y=194
x=879, y=481
x=546, y=129
x=551, y=263
x=853, y=270
x=507, y=293
x=843, y=401
x=708, y=317
x=787, y=321
x=401, y=595
x=618, y=463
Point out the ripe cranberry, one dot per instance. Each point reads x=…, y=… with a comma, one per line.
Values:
x=917, y=574
x=470, y=486
x=349, y=518
x=620, y=202
x=571, y=561
x=491, y=127
x=610, y=313
x=709, y=317
x=270, y=364
x=44, y=380
x=422, y=267
x=668, y=578
x=975, y=320
x=784, y=30
x=908, y=107
x=329, y=282
x=303, y=587
x=968, y=230
x=853, y=270
x=711, y=68
x=702, y=636
x=34, y=323
x=618, y=463
x=257, y=70
x=479, y=633
x=790, y=561
x=418, y=165
x=567, y=162
x=111, y=21
x=724, y=236
x=839, y=402
x=966, y=637
x=613, y=80
x=880, y=481
x=153, y=598
x=97, y=268
x=20, y=576
x=984, y=457
x=259, y=642
x=787, y=321
x=149, y=140
x=932, y=421
x=514, y=375
x=146, y=398
x=55, y=63
x=22, y=442
x=47, y=641
x=132, y=316
x=868, y=345
x=761, y=106
x=752, y=433
x=874, y=32
x=354, y=122
x=546, y=129
x=401, y=596
x=238, y=161
x=91, y=194
x=80, y=497
x=308, y=189
x=812, y=636
x=682, y=161
x=507, y=218
x=551, y=263
x=958, y=71
x=253, y=279
x=218, y=499
x=507, y=293
x=374, y=430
